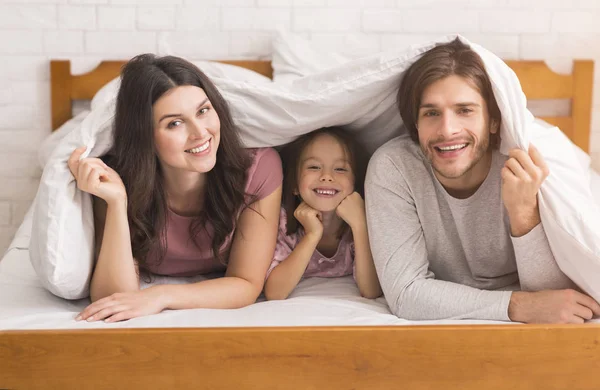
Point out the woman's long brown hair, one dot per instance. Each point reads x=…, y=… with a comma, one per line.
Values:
x=144, y=79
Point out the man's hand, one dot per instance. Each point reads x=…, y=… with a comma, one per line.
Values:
x=552, y=307
x=522, y=177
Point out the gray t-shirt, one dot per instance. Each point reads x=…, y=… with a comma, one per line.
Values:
x=439, y=257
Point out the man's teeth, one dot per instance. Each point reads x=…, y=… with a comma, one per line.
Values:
x=326, y=192
x=452, y=147
x=199, y=149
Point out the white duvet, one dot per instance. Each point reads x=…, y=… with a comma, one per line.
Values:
x=360, y=95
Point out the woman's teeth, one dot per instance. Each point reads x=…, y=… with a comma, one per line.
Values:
x=199, y=149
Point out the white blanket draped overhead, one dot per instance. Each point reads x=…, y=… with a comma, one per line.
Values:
x=360, y=95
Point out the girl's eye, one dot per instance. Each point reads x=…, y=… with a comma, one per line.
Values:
x=203, y=111
x=174, y=124
x=341, y=170
x=312, y=167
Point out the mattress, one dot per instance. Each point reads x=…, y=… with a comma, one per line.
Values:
x=25, y=304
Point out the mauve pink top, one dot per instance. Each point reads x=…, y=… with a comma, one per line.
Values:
x=340, y=264
x=183, y=257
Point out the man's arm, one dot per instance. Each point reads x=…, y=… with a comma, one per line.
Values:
x=401, y=259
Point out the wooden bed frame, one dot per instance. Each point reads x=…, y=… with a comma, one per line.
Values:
x=375, y=357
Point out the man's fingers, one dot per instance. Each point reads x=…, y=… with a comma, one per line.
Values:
x=538, y=159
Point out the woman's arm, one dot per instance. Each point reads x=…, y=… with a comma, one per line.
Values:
x=115, y=270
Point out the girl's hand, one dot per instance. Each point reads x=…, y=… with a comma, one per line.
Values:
x=352, y=210
x=310, y=220
x=95, y=177
x=124, y=306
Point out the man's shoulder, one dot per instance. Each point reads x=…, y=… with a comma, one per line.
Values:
x=401, y=151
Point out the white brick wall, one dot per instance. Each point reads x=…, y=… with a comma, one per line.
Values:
x=86, y=31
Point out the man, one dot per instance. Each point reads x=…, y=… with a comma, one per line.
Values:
x=454, y=225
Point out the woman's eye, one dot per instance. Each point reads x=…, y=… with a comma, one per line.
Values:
x=174, y=124
x=203, y=111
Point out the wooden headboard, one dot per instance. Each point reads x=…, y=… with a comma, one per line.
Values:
x=537, y=80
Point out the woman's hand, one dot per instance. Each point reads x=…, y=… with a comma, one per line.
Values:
x=352, y=211
x=95, y=177
x=125, y=305
x=310, y=220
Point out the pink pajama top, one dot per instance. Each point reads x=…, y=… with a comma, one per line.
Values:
x=183, y=257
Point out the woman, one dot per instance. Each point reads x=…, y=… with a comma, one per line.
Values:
x=177, y=195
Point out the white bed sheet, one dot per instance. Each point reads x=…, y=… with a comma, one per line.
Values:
x=25, y=304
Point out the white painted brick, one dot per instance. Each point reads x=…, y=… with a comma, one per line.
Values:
x=145, y=2
x=29, y=42
x=404, y=41
x=20, y=67
x=35, y=1
x=441, y=21
x=517, y=21
x=256, y=19
x=221, y=3
x=274, y=3
x=362, y=3
x=63, y=42
x=16, y=117
x=6, y=235
x=432, y=3
x=27, y=92
x=77, y=17
x=18, y=188
x=16, y=165
x=590, y=4
x=88, y=1
x=27, y=140
x=309, y=3
x=116, y=18
x=504, y=46
x=254, y=45
x=18, y=211
x=5, y=95
x=188, y=45
x=5, y=219
x=117, y=43
x=27, y=16
x=191, y=18
x=576, y=22
x=156, y=18
x=543, y=46
x=382, y=20
x=350, y=45
x=537, y=4
x=333, y=20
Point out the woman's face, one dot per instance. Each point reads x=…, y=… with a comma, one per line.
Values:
x=186, y=130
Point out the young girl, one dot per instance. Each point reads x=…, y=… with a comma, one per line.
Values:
x=322, y=229
x=177, y=195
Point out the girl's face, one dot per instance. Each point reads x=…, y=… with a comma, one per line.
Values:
x=325, y=175
x=186, y=130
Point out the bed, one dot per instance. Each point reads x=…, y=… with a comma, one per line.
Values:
x=324, y=336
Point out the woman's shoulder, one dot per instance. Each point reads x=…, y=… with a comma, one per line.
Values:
x=265, y=173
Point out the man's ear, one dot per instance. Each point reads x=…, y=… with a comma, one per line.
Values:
x=494, y=126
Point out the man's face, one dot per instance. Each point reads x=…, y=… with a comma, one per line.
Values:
x=453, y=127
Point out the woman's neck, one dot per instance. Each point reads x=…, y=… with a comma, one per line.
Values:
x=185, y=191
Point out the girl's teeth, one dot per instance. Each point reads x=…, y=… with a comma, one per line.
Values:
x=326, y=192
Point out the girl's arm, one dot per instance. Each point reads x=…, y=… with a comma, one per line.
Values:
x=364, y=271
x=286, y=275
x=352, y=210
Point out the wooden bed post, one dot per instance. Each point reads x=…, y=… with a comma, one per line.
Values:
x=60, y=92
x=581, y=107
